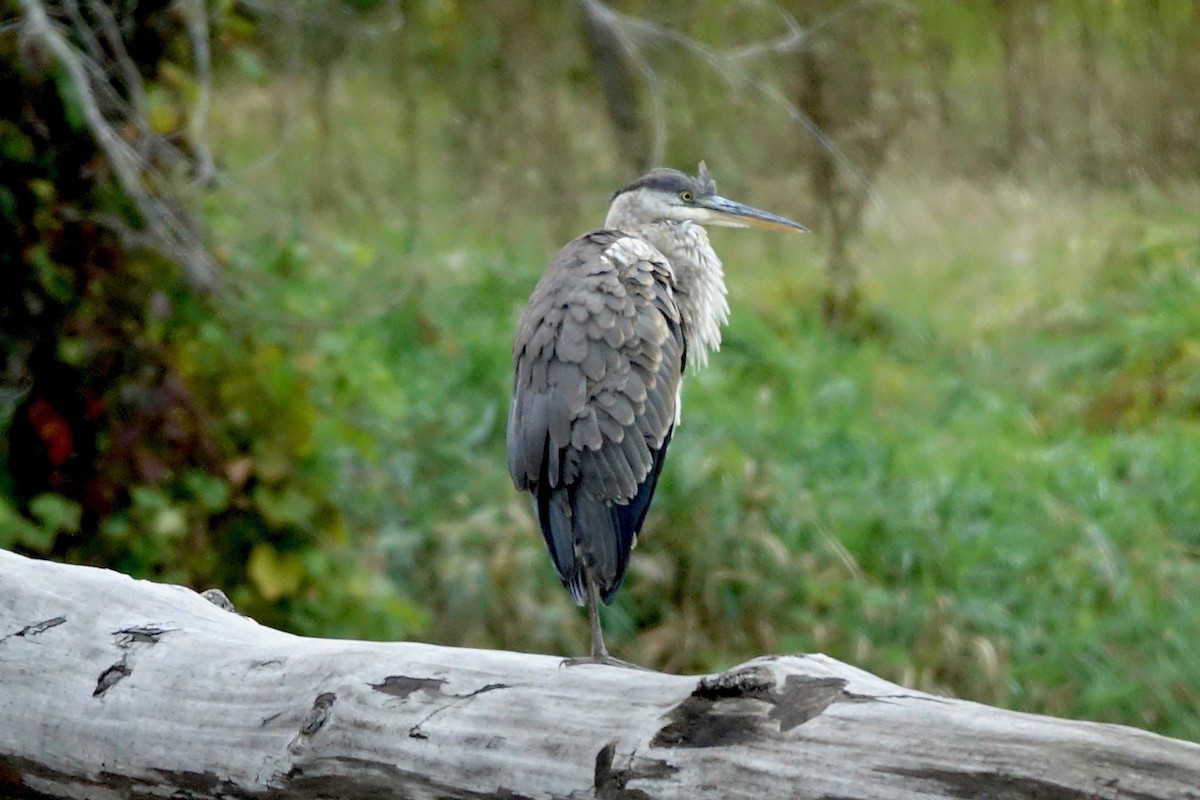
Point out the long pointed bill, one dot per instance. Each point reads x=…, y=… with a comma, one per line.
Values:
x=736, y=215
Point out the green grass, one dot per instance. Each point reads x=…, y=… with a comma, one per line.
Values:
x=992, y=491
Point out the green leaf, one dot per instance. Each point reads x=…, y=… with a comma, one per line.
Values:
x=15, y=529
x=288, y=507
x=249, y=64
x=169, y=523
x=211, y=490
x=55, y=513
x=275, y=575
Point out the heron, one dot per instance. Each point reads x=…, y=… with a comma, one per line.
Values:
x=599, y=358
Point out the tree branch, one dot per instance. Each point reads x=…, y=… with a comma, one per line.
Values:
x=197, y=25
x=173, y=232
x=629, y=30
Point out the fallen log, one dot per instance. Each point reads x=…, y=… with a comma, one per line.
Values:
x=112, y=687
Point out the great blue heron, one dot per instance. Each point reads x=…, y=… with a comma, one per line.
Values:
x=599, y=358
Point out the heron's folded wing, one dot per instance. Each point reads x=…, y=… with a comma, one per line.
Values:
x=598, y=355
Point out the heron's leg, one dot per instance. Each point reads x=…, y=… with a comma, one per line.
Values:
x=599, y=651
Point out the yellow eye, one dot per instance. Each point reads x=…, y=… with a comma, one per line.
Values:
x=685, y=196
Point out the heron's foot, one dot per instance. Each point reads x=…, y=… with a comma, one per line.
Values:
x=603, y=658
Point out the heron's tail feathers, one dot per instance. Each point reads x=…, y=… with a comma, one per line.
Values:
x=554, y=512
x=602, y=544
x=584, y=533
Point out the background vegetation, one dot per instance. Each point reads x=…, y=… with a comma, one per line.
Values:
x=952, y=438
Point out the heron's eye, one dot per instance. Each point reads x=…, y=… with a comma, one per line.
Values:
x=685, y=196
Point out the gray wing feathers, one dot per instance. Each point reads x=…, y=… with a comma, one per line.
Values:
x=597, y=355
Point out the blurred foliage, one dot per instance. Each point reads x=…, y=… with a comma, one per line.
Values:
x=145, y=432
x=988, y=488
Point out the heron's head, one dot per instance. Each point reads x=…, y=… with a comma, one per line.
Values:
x=671, y=195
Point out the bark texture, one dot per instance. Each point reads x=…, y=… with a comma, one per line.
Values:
x=112, y=687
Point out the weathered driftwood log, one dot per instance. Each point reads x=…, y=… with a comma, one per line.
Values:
x=111, y=687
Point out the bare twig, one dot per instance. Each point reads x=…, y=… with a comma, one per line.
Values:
x=113, y=101
x=116, y=45
x=197, y=25
x=603, y=15
x=172, y=231
x=629, y=30
x=86, y=34
x=797, y=36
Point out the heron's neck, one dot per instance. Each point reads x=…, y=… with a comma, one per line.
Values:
x=699, y=282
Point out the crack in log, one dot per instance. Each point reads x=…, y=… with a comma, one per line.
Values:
x=39, y=627
x=16, y=772
x=318, y=715
x=803, y=699
x=753, y=681
x=125, y=639
x=112, y=676
x=402, y=686
x=401, y=783
x=696, y=723
x=140, y=634
x=715, y=716
x=34, y=629
x=314, y=720
x=611, y=783
x=415, y=731
x=991, y=784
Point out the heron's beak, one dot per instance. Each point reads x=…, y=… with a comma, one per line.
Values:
x=735, y=215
